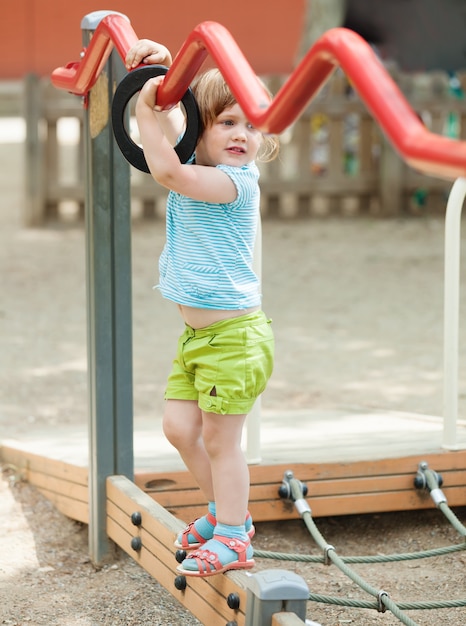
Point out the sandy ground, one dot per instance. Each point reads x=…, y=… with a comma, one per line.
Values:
x=357, y=307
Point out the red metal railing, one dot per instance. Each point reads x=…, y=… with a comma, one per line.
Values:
x=425, y=151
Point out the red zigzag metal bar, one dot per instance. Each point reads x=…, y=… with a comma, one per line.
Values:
x=423, y=150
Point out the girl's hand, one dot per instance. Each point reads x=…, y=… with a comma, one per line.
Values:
x=148, y=93
x=148, y=52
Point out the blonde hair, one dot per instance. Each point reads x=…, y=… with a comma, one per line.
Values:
x=213, y=96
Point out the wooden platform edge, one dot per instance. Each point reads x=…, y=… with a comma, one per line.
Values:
x=206, y=598
x=64, y=484
x=348, y=488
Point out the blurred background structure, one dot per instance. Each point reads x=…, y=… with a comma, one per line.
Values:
x=335, y=160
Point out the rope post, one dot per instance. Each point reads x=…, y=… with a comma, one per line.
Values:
x=451, y=313
x=274, y=591
x=108, y=269
x=34, y=153
x=253, y=424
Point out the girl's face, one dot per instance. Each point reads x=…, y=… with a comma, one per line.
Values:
x=230, y=140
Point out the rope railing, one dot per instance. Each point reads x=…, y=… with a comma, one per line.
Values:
x=423, y=150
x=371, y=558
x=382, y=597
x=329, y=555
x=402, y=606
x=440, y=500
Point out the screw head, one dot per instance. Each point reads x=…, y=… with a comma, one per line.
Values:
x=136, y=543
x=180, y=555
x=284, y=491
x=233, y=601
x=136, y=518
x=180, y=583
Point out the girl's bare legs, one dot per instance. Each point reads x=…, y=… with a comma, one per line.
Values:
x=210, y=446
x=229, y=470
x=229, y=547
x=182, y=425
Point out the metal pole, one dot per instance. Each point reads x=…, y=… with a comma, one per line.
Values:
x=451, y=312
x=108, y=261
x=253, y=424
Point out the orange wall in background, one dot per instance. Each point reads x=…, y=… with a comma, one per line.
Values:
x=40, y=35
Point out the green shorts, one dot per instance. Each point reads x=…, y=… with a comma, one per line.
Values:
x=225, y=366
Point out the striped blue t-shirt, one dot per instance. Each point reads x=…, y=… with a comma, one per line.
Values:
x=207, y=259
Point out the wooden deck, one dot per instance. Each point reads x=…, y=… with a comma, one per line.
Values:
x=333, y=436
x=352, y=462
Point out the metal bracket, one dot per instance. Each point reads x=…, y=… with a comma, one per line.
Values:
x=285, y=489
x=327, y=549
x=381, y=608
x=420, y=480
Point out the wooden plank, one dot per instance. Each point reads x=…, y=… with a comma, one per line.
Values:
x=205, y=598
x=50, y=483
x=260, y=492
x=65, y=485
x=337, y=504
x=273, y=474
x=286, y=619
x=70, y=499
x=334, y=488
x=26, y=461
x=165, y=576
x=370, y=503
x=74, y=509
x=160, y=523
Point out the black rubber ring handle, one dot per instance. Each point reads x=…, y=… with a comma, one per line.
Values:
x=130, y=85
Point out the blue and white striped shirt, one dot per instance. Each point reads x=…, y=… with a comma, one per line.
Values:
x=207, y=259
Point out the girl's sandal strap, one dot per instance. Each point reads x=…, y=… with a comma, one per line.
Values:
x=208, y=562
x=190, y=529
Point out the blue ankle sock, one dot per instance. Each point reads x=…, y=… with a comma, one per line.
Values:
x=235, y=532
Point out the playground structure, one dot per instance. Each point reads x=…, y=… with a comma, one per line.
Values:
x=112, y=500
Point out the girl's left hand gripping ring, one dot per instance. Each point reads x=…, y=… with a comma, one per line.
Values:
x=130, y=85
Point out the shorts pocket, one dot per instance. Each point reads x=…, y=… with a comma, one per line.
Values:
x=260, y=347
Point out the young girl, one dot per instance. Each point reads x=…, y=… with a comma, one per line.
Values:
x=225, y=355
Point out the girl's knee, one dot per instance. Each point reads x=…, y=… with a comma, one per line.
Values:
x=181, y=423
x=174, y=431
x=169, y=429
x=213, y=446
x=220, y=431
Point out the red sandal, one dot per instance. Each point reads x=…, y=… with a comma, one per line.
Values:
x=209, y=564
x=182, y=541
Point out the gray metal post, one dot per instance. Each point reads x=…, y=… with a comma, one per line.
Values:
x=272, y=591
x=108, y=257
x=34, y=153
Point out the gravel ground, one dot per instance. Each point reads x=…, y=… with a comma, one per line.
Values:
x=357, y=310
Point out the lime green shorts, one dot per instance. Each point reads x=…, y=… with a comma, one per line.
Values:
x=225, y=366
